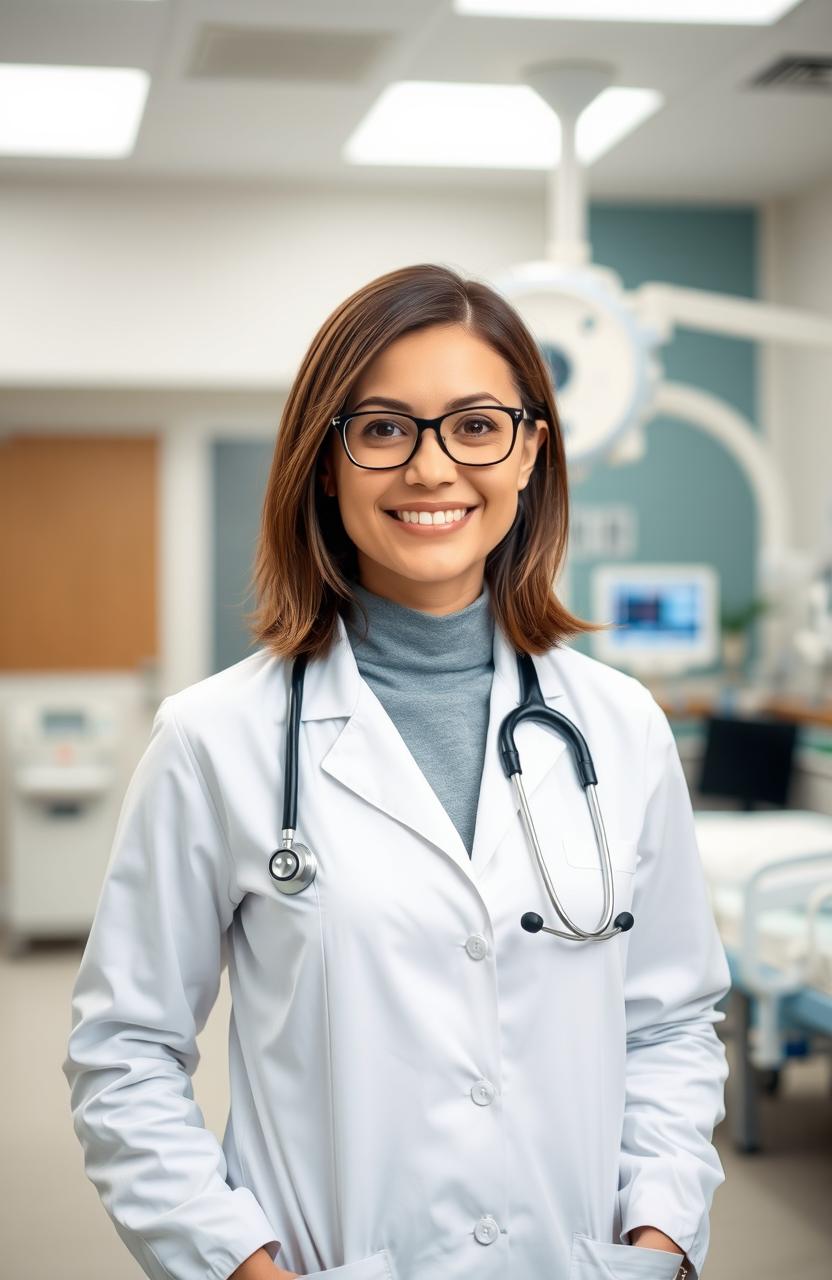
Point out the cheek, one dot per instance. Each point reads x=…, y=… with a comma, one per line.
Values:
x=363, y=530
x=500, y=505
x=360, y=506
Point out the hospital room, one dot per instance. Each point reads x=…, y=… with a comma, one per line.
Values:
x=306, y=824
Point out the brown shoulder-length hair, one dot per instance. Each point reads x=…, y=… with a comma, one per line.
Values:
x=304, y=558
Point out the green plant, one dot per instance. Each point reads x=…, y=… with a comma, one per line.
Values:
x=740, y=619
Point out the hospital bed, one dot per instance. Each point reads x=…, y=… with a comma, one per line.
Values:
x=769, y=876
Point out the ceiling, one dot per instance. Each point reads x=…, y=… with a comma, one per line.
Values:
x=268, y=91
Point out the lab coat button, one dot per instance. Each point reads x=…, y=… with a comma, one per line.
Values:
x=486, y=1230
x=476, y=946
x=483, y=1092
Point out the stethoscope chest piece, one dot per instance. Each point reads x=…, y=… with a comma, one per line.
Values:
x=292, y=867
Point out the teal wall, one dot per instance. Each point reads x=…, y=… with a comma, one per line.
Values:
x=240, y=469
x=693, y=502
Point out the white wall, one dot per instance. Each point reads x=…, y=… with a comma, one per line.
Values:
x=207, y=285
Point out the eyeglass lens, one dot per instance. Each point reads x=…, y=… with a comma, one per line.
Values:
x=382, y=439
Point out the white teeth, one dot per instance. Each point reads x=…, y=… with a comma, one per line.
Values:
x=431, y=517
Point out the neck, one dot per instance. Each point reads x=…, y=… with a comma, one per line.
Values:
x=437, y=598
x=416, y=641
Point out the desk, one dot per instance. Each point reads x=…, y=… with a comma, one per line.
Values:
x=688, y=702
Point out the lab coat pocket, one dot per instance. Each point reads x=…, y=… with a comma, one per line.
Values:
x=601, y=1260
x=377, y=1266
x=581, y=852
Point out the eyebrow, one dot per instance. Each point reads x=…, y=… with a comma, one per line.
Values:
x=476, y=397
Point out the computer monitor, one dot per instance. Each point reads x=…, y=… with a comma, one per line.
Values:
x=665, y=616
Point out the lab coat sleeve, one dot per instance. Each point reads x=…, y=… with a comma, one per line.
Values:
x=148, y=979
x=676, y=973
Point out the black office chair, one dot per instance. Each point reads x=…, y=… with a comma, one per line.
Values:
x=749, y=760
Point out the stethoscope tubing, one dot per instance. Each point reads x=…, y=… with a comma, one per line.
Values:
x=533, y=708
x=294, y=866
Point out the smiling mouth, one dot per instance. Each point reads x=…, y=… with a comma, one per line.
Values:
x=427, y=520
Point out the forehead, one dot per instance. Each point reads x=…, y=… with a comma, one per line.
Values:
x=434, y=365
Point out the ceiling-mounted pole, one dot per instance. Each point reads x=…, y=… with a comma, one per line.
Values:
x=568, y=230
x=567, y=88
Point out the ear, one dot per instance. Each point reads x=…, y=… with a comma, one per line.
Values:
x=531, y=446
x=326, y=473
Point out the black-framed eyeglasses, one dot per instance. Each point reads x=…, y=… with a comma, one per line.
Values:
x=477, y=436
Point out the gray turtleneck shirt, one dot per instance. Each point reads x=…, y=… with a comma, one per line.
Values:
x=430, y=671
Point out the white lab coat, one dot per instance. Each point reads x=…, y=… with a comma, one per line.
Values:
x=420, y=1089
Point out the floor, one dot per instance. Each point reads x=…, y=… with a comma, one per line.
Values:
x=771, y=1219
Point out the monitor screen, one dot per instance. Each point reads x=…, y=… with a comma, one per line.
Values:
x=670, y=613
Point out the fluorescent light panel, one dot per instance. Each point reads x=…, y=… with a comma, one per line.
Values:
x=728, y=12
x=610, y=117
x=70, y=111
x=487, y=126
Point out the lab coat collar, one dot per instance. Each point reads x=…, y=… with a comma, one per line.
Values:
x=332, y=684
x=371, y=758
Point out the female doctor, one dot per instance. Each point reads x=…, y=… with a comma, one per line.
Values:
x=422, y=1087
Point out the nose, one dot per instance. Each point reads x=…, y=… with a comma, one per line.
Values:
x=430, y=464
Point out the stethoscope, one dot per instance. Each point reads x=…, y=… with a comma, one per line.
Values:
x=294, y=866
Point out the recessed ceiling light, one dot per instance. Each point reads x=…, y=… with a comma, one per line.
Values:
x=616, y=112
x=736, y=12
x=487, y=126
x=70, y=111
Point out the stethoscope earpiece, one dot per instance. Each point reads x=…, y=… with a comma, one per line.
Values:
x=533, y=923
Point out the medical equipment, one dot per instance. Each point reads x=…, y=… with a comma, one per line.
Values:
x=769, y=877
x=294, y=866
x=585, y=321
x=61, y=800
x=665, y=616
x=814, y=639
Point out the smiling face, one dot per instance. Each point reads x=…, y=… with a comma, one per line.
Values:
x=438, y=568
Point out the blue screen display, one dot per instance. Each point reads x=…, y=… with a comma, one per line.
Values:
x=664, y=614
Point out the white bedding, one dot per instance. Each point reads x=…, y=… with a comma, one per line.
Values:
x=735, y=845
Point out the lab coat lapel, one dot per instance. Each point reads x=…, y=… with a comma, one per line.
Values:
x=370, y=756
x=539, y=749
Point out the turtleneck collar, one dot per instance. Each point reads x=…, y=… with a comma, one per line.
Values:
x=400, y=638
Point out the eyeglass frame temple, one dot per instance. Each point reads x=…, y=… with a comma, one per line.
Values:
x=423, y=424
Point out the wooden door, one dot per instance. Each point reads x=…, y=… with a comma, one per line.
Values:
x=79, y=538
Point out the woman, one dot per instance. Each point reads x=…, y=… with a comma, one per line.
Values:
x=421, y=1089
